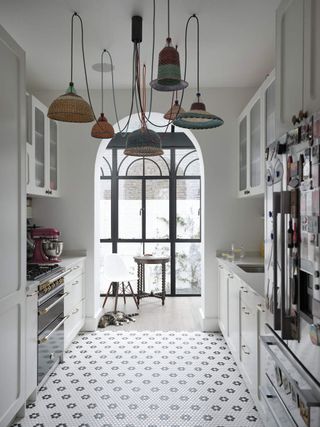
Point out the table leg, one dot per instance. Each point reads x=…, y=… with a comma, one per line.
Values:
x=163, y=296
x=139, y=284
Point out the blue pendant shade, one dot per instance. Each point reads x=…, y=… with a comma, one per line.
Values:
x=143, y=143
x=197, y=118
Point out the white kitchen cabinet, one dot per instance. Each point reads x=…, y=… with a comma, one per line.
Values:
x=223, y=299
x=42, y=174
x=297, y=61
x=12, y=229
x=255, y=131
x=234, y=286
x=31, y=343
x=74, y=301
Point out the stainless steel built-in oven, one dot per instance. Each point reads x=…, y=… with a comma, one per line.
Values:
x=50, y=331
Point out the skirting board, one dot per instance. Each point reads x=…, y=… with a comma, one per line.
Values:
x=91, y=323
x=208, y=324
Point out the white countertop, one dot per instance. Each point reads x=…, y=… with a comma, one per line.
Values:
x=254, y=280
x=69, y=260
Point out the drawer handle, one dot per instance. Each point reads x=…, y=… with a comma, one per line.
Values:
x=76, y=267
x=220, y=266
x=75, y=311
x=244, y=290
x=230, y=276
x=45, y=338
x=32, y=294
x=47, y=309
x=75, y=283
x=243, y=349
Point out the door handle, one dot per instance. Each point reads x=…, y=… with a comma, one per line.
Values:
x=47, y=309
x=46, y=337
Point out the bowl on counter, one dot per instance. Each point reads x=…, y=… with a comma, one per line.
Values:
x=52, y=248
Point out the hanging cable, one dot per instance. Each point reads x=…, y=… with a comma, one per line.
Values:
x=152, y=54
x=168, y=19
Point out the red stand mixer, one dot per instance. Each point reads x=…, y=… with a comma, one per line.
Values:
x=47, y=246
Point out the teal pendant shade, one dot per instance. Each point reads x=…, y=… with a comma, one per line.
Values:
x=143, y=143
x=198, y=118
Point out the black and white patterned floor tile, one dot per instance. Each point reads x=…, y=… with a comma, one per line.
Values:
x=144, y=379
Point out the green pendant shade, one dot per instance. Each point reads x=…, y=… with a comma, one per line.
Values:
x=198, y=118
x=70, y=107
x=143, y=143
x=169, y=73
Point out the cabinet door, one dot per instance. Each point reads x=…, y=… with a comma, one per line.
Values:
x=223, y=300
x=12, y=227
x=255, y=148
x=289, y=63
x=31, y=342
x=269, y=98
x=243, y=157
x=311, y=56
x=39, y=137
x=234, y=314
x=53, y=158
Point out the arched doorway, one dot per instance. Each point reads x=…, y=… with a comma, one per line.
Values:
x=153, y=205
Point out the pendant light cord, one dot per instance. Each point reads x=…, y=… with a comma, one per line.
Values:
x=168, y=19
x=194, y=16
x=102, y=53
x=75, y=14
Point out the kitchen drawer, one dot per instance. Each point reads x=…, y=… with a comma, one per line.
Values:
x=249, y=326
x=249, y=297
x=75, y=291
x=74, y=323
x=76, y=269
x=249, y=364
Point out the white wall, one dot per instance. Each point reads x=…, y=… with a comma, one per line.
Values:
x=226, y=218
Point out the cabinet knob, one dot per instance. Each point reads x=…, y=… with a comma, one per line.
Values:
x=295, y=120
x=247, y=192
x=303, y=115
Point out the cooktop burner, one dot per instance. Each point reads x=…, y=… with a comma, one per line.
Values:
x=40, y=271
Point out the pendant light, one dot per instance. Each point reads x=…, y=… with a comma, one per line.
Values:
x=71, y=107
x=169, y=73
x=175, y=109
x=143, y=142
x=102, y=129
x=197, y=117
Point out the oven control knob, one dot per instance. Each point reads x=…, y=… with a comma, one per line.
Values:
x=317, y=287
x=270, y=214
x=316, y=273
x=51, y=356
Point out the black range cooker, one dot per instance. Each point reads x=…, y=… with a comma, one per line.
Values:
x=51, y=317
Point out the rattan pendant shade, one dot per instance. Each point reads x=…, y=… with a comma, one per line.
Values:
x=102, y=129
x=169, y=73
x=143, y=143
x=197, y=118
x=172, y=113
x=70, y=107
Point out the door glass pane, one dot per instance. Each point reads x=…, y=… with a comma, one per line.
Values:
x=187, y=162
x=39, y=148
x=53, y=155
x=255, y=145
x=130, y=218
x=157, y=209
x=153, y=273
x=133, y=166
x=188, y=268
x=188, y=209
x=243, y=154
x=270, y=114
x=105, y=209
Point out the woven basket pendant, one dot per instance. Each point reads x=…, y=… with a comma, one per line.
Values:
x=169, y=73
x=143, y=143
x=197, y=118
x=70, y=107
x=102, y=129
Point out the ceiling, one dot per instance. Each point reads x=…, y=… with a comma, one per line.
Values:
x=236, y=38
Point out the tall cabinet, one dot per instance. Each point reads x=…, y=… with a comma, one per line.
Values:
x=256, y=129
x=12, y=228
x=297, y=61
x=42, y=151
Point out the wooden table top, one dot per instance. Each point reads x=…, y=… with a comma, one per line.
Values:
x=151, y=259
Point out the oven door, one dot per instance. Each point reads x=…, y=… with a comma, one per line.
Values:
x=50, y=347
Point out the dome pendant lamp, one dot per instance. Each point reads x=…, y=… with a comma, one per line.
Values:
x=71, y=107
x=169, y=73
x=197, y=117
x=173, y=112
x=102, y=129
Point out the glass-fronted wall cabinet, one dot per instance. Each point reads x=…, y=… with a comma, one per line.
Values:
x=42, y=176
x=256, y=130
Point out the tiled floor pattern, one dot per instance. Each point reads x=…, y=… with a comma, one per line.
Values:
x=144, y=379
